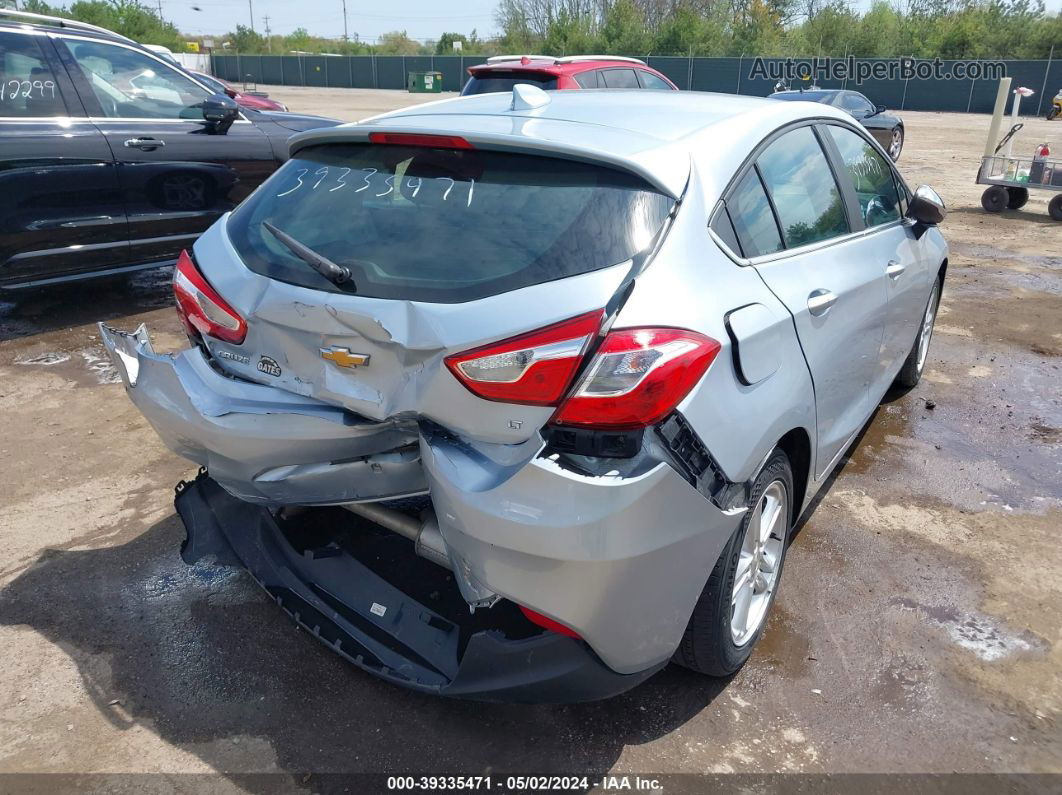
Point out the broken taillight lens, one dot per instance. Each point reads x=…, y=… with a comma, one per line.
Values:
x=200, y=307
x=533, y=369
x=637, y=377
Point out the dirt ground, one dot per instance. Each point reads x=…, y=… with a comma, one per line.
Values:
x=917, y=629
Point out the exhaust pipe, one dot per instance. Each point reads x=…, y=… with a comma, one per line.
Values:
x=427, y=540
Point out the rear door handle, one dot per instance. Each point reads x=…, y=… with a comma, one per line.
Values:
x=144, y=144
x=819, y=301
x=895, y=269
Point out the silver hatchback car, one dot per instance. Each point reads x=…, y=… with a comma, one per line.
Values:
x=518, y=396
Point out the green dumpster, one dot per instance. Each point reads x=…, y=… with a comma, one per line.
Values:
x=424, y=82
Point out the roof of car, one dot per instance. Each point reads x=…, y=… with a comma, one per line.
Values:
x=812, y=95
x=25, y=20
x=651, y=133
x=569, y=65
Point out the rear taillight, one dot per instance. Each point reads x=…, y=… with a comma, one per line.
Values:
x=200, y=307
x=637, y=377
x=533, y=369
x=547, y=623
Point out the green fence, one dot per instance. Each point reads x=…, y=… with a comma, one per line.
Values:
x=726, y=75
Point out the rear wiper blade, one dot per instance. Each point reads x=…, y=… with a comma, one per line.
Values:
x=337, y=274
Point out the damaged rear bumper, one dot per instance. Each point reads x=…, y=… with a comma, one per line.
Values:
x=619, y=558
x=381, y=629
x=264, y=445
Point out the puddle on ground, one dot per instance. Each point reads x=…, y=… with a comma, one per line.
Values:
x=980, y=634
x=977, y=251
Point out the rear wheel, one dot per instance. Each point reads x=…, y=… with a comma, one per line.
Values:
x=1054, y=113
x=911, y=372
x=732, y=610
x=1017, y=197
x=994, y=199
x=1054, y=207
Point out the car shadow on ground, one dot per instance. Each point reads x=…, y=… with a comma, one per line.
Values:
x=205, y=659
x=28, y=312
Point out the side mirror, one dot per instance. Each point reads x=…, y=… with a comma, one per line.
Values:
x=926, y=207
x=878, y=109
x=219, y=112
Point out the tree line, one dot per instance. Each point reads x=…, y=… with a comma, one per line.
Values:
x=963, y=29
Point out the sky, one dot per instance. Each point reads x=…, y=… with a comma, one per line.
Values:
x=421, y=19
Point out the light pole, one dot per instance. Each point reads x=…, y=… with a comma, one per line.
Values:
x=345, y=36
x=250, y=6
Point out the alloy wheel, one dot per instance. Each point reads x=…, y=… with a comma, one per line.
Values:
x=759, y=563
x=926, y=332
x=896, y=144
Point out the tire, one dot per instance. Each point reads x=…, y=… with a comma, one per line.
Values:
x=896, y=143
x=1016, y=198
x=1054, y=207
x=911, y=372
x=710, y=644
x=1054, y=113
x=994, y=199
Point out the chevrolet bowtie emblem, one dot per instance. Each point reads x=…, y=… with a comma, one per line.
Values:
x=342, y=357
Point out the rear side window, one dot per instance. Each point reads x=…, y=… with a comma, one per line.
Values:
x=443, y=225
x=856, y=103
x=493, y=82
x=871, y=177
x=27, y=85
x=620, y=78
x=753, y=220
x=587, y=79
x=652, y=82
x=801, y=184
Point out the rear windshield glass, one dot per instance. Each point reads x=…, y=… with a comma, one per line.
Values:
x=444, y=225
x=504, y=81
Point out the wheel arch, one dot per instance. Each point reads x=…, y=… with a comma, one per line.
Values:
x=796, y=444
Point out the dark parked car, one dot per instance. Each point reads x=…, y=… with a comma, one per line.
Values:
x=886, y=128
x=112, y=159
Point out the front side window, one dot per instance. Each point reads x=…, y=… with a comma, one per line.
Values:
x=652, y=82
x=871, y=176
x=753, y=220
x=620, y=78
x=444, y=225
x=27, y=86
x=802, y=187
x=132, y=85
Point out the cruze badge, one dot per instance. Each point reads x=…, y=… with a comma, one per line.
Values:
x=342, y=357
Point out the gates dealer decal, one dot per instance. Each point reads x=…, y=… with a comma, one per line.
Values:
x=269, y=366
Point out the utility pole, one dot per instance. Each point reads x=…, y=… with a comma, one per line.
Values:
x=345, y=36
x=160, y=9
x=269, y=44
x=250, y=5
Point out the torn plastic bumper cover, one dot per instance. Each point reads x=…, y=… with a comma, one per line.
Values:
x=378, y=627
x=264, y=445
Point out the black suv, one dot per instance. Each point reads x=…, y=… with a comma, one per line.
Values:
x=112, y=159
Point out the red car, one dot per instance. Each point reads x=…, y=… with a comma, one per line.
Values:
x=502, y=72
x=252, y=100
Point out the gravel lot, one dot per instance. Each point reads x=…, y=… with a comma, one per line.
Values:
x=918, y=627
